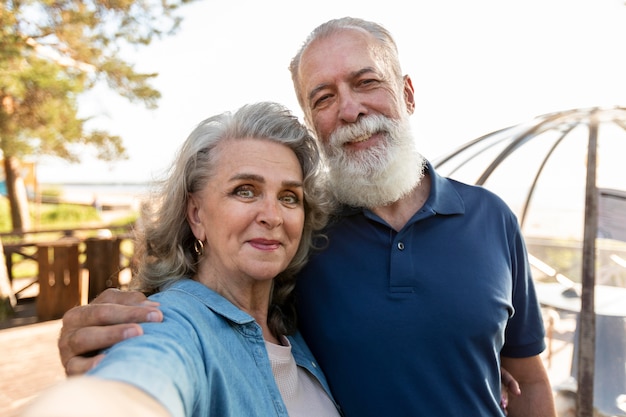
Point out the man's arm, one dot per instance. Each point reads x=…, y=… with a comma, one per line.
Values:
x=107, y=320
x=536, y=398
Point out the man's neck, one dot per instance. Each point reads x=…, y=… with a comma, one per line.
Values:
x=398, y=213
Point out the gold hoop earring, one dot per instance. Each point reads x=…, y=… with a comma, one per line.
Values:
x=198, y=247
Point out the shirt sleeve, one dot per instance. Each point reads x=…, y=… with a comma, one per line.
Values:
x=161, y=362
x=525, y=334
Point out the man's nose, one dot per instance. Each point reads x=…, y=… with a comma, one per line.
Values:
x=350, y=107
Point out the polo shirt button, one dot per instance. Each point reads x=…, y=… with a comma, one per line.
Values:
x=400, y=245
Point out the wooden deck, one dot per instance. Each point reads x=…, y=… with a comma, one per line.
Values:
x=29, y=361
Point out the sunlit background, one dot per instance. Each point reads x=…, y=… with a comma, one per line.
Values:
x=476, y=67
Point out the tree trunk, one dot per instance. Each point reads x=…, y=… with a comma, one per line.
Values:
x=7, y=298
x=16, y=192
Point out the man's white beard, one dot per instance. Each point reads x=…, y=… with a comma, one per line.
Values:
x=379, y=175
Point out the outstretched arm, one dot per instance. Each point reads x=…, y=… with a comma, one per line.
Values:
x=87, y=396
x=107, y=320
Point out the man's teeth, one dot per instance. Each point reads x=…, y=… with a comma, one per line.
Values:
x=361, y=139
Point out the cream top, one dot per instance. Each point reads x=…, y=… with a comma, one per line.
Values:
x=302, y=393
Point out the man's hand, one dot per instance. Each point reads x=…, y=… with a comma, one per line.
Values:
x=107, y=320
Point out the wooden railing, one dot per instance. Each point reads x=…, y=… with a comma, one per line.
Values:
x=70, y=267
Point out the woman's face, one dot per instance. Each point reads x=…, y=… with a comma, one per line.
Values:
x=250, y=215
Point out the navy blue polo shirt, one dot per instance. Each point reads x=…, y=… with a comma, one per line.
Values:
x=413, y=322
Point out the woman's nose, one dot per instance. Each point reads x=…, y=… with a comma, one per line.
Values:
x=270, y=213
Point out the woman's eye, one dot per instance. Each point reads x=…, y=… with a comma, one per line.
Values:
x=244, y=192
x=290, y=199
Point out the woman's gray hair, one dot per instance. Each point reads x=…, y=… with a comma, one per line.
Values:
x=388, y=46
x=164, y=241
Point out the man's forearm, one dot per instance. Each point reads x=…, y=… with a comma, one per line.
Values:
x=536, y=400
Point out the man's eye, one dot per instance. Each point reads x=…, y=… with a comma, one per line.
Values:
x=368, y=82
x=321, y=100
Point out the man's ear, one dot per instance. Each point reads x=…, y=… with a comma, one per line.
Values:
x=409, y=94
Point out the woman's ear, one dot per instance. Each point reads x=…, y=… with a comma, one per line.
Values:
x=194, y=217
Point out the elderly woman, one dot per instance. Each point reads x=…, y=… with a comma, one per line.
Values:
x=219, y=247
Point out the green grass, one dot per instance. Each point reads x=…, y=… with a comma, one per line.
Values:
x=5, y=218
x=65, y=215
x=52, y=216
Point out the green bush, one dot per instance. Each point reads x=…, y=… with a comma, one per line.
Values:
x=66, y=214
x=51, y=192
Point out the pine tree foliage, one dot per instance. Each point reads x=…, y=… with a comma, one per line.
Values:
x=51, y=51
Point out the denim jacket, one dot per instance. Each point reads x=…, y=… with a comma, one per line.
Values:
x=207, y=358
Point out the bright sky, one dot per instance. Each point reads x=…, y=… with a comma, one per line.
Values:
x=476, y=66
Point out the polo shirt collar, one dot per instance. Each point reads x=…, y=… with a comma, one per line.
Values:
x=443, y=198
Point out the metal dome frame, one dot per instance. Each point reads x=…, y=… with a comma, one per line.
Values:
x=516, y=136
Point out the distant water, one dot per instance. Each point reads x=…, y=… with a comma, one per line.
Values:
x=101, y=188
x=103, y=193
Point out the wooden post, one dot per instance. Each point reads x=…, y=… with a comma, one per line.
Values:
x=103, y=264
x=7, y=298
x=59, y=279
x=587, y=320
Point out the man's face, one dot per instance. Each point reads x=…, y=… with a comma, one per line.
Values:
x=360, y=111
x=344, y=77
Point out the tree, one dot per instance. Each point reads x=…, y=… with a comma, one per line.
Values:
x=7, y=298
x=51, y=51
